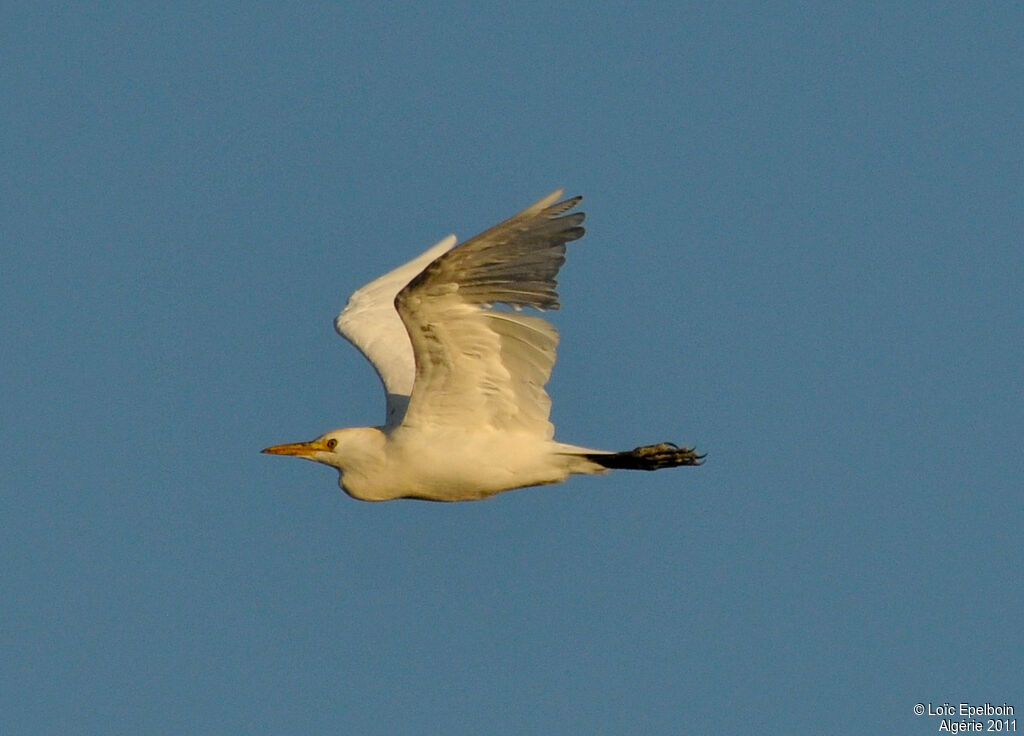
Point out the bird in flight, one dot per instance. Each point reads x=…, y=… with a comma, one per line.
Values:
x=467, y=413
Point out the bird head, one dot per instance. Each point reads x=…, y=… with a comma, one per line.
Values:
x=323, y=449
x=340, y=448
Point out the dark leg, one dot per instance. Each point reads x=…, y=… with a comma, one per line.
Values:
x=650, y=457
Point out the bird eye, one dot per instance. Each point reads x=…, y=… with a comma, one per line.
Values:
x=332, y=443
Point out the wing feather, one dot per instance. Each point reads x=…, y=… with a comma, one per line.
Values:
x=475, y=365
x=369, y=321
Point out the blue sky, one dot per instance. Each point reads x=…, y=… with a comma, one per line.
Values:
x=804, y=255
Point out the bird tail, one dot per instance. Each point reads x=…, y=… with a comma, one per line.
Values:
x=648, y=457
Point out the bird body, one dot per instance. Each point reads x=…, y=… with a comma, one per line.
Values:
x=467, y=413
x=444, y=465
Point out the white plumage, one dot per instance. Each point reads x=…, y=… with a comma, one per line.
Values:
x=467, y=413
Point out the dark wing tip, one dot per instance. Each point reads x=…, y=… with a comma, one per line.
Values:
x=564, y=206
x=514, y=262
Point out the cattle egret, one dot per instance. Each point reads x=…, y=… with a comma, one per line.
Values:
x=467, y=413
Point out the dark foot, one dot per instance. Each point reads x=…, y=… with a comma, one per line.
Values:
x=651, y=457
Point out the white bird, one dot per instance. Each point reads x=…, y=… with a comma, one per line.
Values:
x=467, y=413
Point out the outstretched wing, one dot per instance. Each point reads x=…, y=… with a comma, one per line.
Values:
x=369, y=321
x=477, y=366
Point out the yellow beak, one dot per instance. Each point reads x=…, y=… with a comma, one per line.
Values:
x=298, y=449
